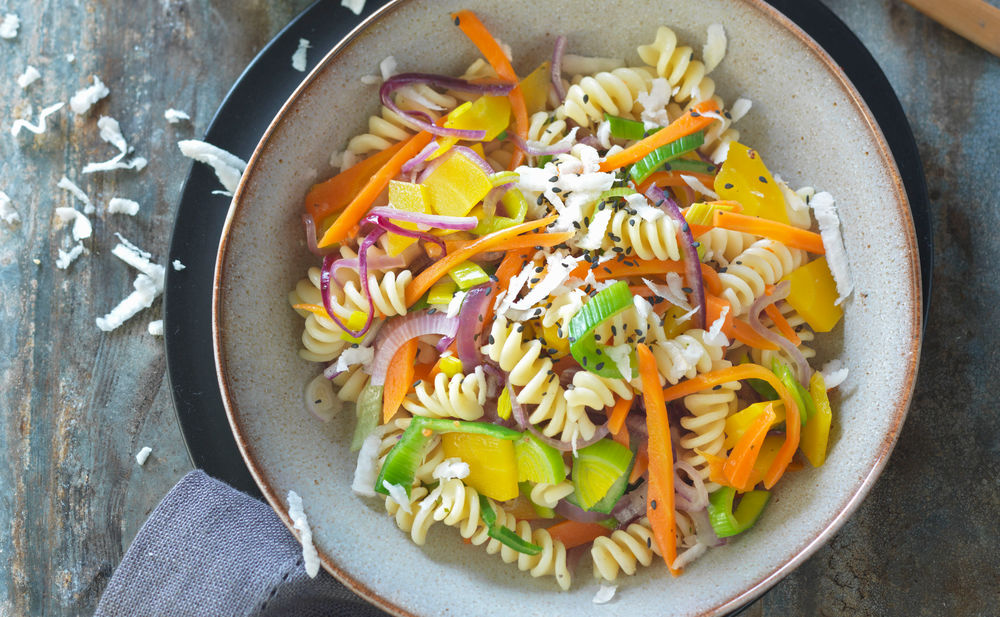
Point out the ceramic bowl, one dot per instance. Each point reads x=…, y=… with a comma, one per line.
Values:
x=813, y=128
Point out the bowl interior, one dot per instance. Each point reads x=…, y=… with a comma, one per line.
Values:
x=810, y=126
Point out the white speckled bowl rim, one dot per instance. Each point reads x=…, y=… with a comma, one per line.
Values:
x=818, y=131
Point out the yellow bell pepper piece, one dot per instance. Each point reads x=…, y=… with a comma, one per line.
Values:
x=492, y=466
x=813, y=293
x=744, y=178
x=412, y=198
x=487, y=113
x=738, y=423
x=456, y=186
x=816, y=432
x=673, y=326
x=768, y=452
x=702, y=213
x=450, y=366
x=535, y=88
x=554, y=342
x=355, y=322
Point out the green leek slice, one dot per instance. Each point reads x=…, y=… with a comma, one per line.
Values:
x=583, y=346
x=538, y=461
x=799, y=394
x=623, y=128
x=724, y=521
x=656, y=159
x=368, y=410
x=508, y=537
x=600, y=474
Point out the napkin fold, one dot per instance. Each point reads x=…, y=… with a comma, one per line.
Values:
x=211, y=550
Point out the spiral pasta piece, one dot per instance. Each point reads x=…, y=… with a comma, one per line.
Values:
x=416, y=522
x=706, y=424
x=623, y=550
x=722, y=246
x=433, y=452
x=614, y=92
x=388, y=127
x=545, y=128
x=685, y=356
x=677, y=65
x=539, y=385
x=655, y=239
x=350, y=383
x=461, y=396
x=764, y=263
x=590, y=391
x=548, y=495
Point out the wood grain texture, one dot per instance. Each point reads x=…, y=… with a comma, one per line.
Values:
x=973, y=19
x=76, y=404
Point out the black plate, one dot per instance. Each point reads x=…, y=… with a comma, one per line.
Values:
x=246, y=113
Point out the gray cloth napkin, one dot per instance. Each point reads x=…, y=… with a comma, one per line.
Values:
x=211, y=550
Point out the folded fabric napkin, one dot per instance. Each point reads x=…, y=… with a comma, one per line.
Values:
x=211, y=550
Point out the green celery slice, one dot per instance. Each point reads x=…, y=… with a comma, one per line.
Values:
x=442, y=292
x=623, y=128
x=801, y=396
x=368, y=410
x=724, y=521
x=467, y=275
x=656, y=159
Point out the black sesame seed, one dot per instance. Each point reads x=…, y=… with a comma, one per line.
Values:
x=431, y=311
x=520, y=327
x=456, y=21
x=686, y=290
x=540, y=199
x=554, y=179
x=556, y=189
x=695, y=114
x=652, y=504
x=728, y=185
x=719, y=387
x=607, y=269
x=600, y=365
x=491, y=340
x=586, y=98
x=763, y=179
x=539, y=269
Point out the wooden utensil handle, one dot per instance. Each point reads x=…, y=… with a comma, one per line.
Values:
x=975, y=20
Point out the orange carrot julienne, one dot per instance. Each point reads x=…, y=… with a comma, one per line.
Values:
x=468, y=23
x=641, y=465
x=734, y=328
x=356, y=210
x=691, y=122
x=315, y=309
x=333, y=195
x=618, y=414
x=398, y=378
x=573, y=533
x=784, y=327
x=673, y=178
x=526, y=241
x=740, y=462
x=750, y=371
x=622, y=437
x=439, y=268
x=660, y=507
x=786, y=234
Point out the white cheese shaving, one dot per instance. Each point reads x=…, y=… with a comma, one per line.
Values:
x=68, y=185
x=398, y=494
x=834, y=374
x=143, y=296
x=795, y=206
x=672, y=292
x=654, y=103
x=299, y=57
x=178, y=265
x=455, y=304
x=715, y=47
x=111, y=132
x=451, y=468
x=118, y=205
x=9, y=26
x=155, y=327
x=30, y=76
x=698, y=187
x=81, y=224
x=143, y=455
x=825, y=211
x=642, y=207
x=370, y=80
x=596, y=230
x=605, y=593
x=40, y=127
x=356, y=6
x=604, y=134
x=558, y=269
x=300, y=522
x=388, y=67
x=64, y=258
x=643, y=308
x=739, y=109
x=173, y=116
x=621, y=356
x=71, y=58
x=353, y=356
x=714, y=336
x=7, y=211
x=228, y=167
x=85, y=98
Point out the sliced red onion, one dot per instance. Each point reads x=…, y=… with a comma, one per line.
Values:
x=695, y=495
x=706, y=535
x=461, y=223
x=429, y=169
x=380, y=262
x=578, y=514
x=556, y=73
x=442, y=344
x=449, y=83
x=325, y=290
x=631, y=506
x=492, y=199
x=535, y=148
x=384, y=225
x=331, y=372
x=311, y=242
x=401, y=329
x=636, y=424
x=418, y=160
x=470, y=325
x=802, y=370
x=473, y=156
x=692, y=265
x=590, y=140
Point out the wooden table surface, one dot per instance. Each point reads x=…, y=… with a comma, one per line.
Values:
x=76, y=404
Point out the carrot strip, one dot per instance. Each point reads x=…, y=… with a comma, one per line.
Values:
x=423, y=372
x=673, y=178
x=786, y=234
x=691, y=122
x=312, y=308
x=333, y=195
x=615, y=269
x=784, y=327
x=618, y=414
x=660, y=507
x=641, y=464
x=512, y=263
x=622, y=437
x=750, y=371
x=526, y=241
x=573, y=533
x=741, y=460
x=398, y=378
x=468, y=23
x=356, y=210
x=439, y=268
x=734, y=328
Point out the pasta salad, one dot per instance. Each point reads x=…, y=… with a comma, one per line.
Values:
x=571, y=309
